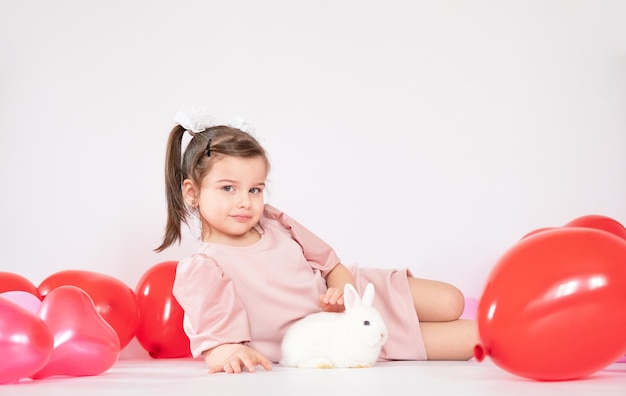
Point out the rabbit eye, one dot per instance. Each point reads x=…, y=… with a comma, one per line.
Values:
x=366, y=323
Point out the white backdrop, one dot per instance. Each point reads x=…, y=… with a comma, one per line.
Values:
x=422, y=134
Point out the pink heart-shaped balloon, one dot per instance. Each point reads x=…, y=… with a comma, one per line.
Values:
x=25, y=342
x=471, y=306
x=24, y=299
x=84, y=343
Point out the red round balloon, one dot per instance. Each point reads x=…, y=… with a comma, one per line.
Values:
x=10, y=281
x=114, y=300
x=160, y=329
x=554, y=306
x=599, y=222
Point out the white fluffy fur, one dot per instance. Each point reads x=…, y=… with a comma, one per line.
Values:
x=330, y=339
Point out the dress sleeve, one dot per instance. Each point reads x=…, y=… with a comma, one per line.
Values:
x=318, y=253
x=213, y=314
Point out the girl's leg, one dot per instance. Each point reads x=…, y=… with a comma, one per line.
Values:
x=453, y=340
x=436, y=301
x=439, y=306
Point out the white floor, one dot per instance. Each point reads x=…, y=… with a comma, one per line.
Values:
x=188, y=377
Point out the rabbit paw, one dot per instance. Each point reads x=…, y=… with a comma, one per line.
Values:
x=321, y=363
x=360, y=365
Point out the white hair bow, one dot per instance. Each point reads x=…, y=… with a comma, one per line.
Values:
x=196, y=119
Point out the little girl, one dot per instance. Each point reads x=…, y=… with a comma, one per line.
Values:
x=258, y=271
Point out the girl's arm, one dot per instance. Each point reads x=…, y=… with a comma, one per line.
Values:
x=320, y=256
x=214, y=315
x=332, y=300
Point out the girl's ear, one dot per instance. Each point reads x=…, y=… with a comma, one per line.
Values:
x=190, y=193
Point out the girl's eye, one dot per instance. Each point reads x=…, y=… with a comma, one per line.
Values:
x=255, y=190
x=228, y=188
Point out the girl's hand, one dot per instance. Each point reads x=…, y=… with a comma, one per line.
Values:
x=233, y=358
x=332, y=300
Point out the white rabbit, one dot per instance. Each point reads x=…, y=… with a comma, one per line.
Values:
x=330, y=339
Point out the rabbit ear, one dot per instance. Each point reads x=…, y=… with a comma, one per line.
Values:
x=368, y=295
x=350, y=297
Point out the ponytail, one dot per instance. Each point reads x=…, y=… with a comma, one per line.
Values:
x=177, y=212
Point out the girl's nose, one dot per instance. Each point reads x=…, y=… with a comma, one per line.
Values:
x=244, y=201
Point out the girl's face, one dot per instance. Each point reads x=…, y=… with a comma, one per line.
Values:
x=231, y=200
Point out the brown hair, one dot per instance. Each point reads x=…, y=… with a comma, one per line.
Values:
x=194, y=165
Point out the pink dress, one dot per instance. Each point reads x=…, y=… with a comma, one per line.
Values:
x=252, y=294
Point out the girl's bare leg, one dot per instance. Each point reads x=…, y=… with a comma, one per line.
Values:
x=453, y=340
x=438, y=306
x=436, y=301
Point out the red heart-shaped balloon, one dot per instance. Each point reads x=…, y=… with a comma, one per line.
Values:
x=594, y=221
x=25, y=342
x=10, y=281
x=84, y=343
x=114, y=300
x=599, y=222
x=554, y=305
